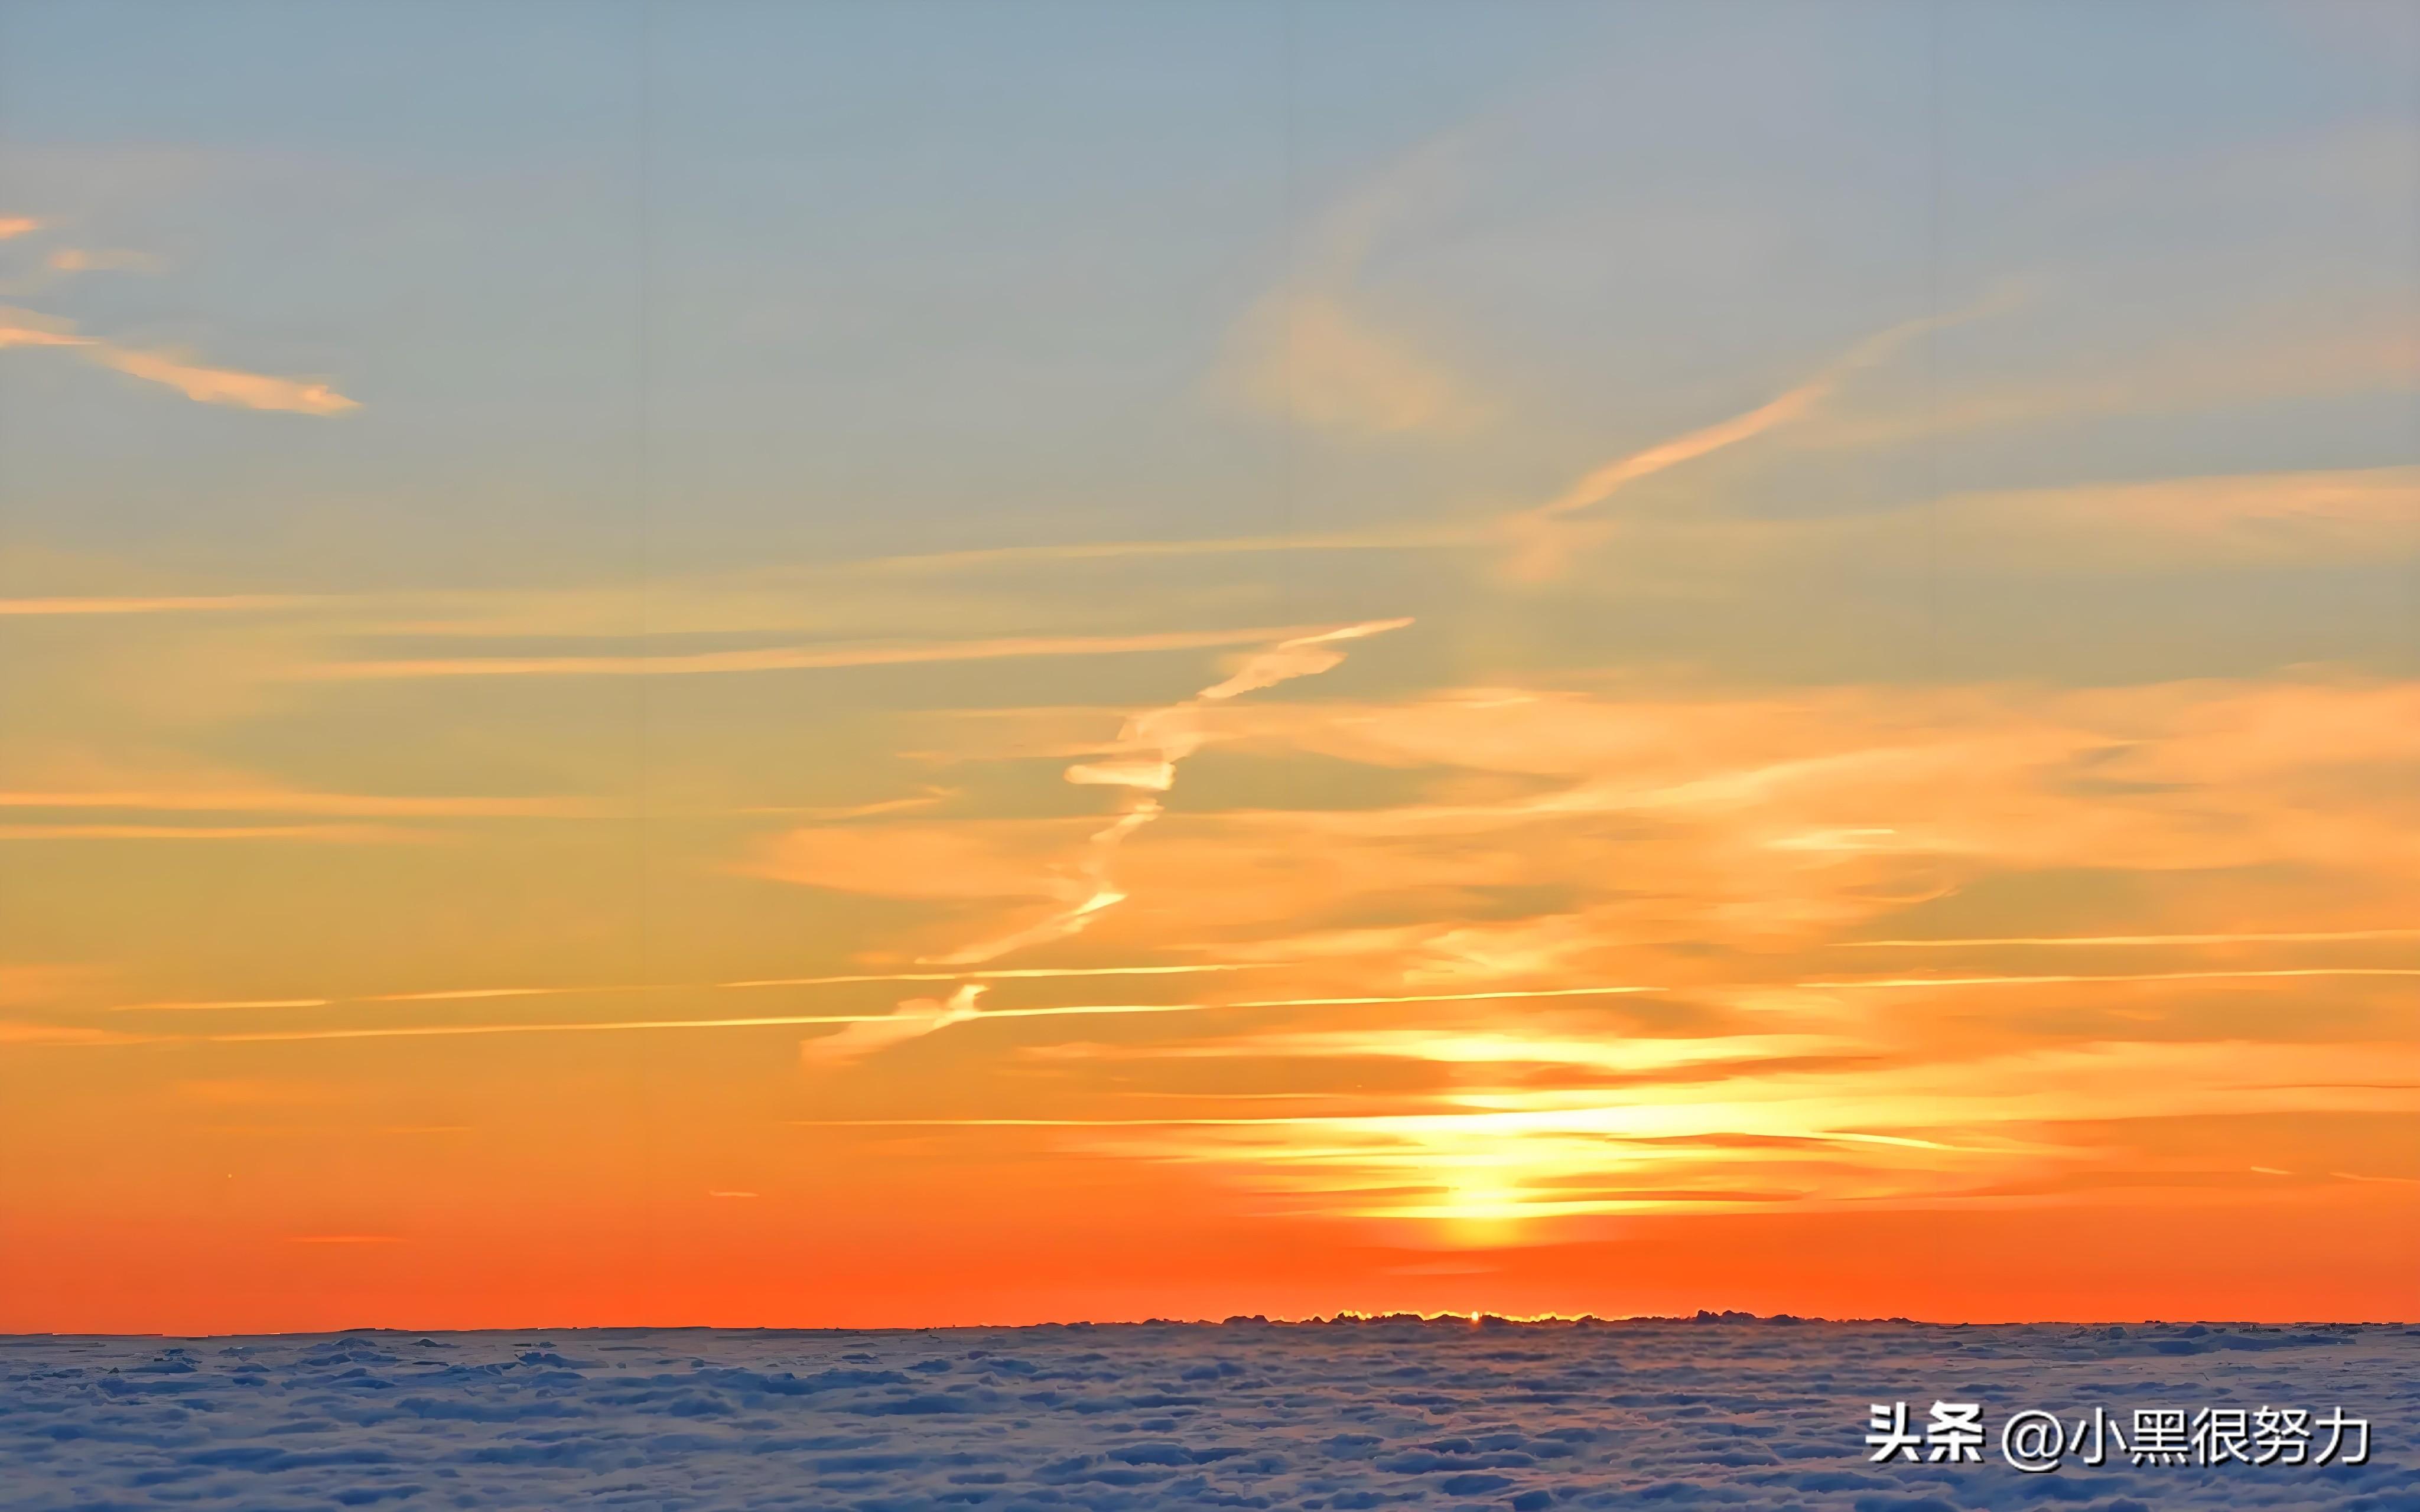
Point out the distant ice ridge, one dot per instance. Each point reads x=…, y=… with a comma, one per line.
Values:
x=1439, y=1415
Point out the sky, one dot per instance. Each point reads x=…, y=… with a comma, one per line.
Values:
x=898, y=664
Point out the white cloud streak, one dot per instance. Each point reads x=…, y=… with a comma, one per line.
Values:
x=202, y=384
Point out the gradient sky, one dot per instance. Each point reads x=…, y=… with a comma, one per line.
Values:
x=946, y=663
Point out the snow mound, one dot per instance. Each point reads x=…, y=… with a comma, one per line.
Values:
x=1715, y=1412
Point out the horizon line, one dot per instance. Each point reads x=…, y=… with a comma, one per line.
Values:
x=1343, y=1318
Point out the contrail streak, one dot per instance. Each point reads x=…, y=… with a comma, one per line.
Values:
x=1541, y=550
x=2276, y=937
x=1009, y=974
x=187, y=604
x=793, y=658
x=1448, y=998
x=1410, y=538
x=2123, y=976
x=454, y=995
x=221, y=1006
x=440, y=1031
x=1144, y=765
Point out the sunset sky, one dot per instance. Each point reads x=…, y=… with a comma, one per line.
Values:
x=907, y=664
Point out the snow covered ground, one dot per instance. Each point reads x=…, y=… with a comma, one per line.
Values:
x=1339, y=1415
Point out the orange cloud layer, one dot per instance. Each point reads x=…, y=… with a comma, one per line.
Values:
x=1718, y=848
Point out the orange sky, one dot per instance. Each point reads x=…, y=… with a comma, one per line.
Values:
x=1994, y=1003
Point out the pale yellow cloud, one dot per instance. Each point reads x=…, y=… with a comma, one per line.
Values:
x=1313, y=358
x=2089, y=529
x=2167, y=383
x=205, y=385
x=2228, y=938
x=230, y=1005
x=2244, y=518
x=1390, y=538
x=914, y=1018
x=105, y=260
x=12, y=1033
x=911, y=1020
x=13, y=227
x=222, y=385
x=1543, y=544
x=22, y=328
x=2046, y=978
x=27, y=985
x=793, y=658
x=45, y=987
x=1315, y=353
x=1720, y=1131
x=311, y=834
x=982, y=858
x=1451, y=1046
x=73, y=1034
x=217, y=603
x=296, y=800
x=2300, y=350
x=998, y=974
x=1144, y=764
x=1672, y=839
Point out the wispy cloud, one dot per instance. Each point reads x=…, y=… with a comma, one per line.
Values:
x=17, y=1033
x=221, y=1005
x=1543, y=545
x=465, y=994
x=1619, y=1056
x=59, y=814
x=827, y=813
x=1391, y=538
x=2054, y=978
x=309, y=834
x=22, y=328
x=203, y=384
x=2072, y=532
x=225, y=385
x=75, y=1033
x=1700, y=856
x=101, y=260
x=184, y=604
x=1314, y=359
x=1142, y=765
x=916, y=1017
x=1003, y=974
x=294, y=800
x=912, y=1019
x=1778, y=821
x=2161, y=524
x=1313, y=353
x=31, y=985
x=2232, y=937
x=2310, y=349
x=13, y=227
x=1723, y=1131
x=793, y=658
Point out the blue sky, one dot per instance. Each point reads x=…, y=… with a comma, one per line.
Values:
x=881, y=275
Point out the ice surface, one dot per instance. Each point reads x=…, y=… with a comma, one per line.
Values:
x=1338, y=1415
